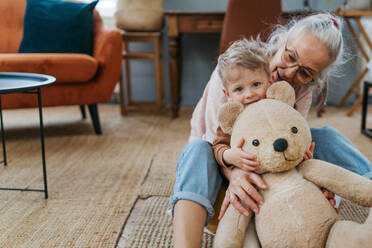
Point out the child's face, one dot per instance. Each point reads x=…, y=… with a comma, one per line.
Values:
x=246, y=86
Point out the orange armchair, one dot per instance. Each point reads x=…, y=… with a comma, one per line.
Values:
x=80, y=79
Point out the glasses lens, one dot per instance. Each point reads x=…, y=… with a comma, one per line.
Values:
x=303, y=75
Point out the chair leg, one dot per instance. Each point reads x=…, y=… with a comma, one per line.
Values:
x=83, y=113
x=93, y=110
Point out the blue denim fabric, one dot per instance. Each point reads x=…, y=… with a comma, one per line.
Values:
x=198, y=177
x=331, y=146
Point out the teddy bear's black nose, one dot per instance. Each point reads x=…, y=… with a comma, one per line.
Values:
x=280, y=145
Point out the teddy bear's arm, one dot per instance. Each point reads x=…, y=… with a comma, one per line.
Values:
x=338, y=180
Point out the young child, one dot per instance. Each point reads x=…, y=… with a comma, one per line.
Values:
x=244, y=69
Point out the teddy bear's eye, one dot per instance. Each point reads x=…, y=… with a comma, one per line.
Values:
x=255, y=142
x=294, y=129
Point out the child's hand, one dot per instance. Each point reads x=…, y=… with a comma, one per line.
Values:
x=309, y=153
x=237, y=157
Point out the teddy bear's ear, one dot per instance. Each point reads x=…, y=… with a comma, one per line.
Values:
x=282, y=91
x=228, y=114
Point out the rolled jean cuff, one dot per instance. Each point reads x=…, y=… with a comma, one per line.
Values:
x=368, y=175
x=201, y=200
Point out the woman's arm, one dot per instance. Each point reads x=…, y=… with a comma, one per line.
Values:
x=242, y=190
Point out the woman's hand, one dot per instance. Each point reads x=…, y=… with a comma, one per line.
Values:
x=330, y=197
x=241, y=190
x=309, y=153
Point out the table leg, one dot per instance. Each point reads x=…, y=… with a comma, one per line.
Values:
x=42, y=142
x=2, y=133
x=174, y=68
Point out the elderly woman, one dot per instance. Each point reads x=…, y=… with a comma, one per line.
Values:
x=302, y=53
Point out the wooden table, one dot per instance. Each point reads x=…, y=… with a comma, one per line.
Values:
x=356, y=15
x=180, y=22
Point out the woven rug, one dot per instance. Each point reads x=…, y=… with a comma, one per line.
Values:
x=153, y=227
x=93, y=180
x=161, y=176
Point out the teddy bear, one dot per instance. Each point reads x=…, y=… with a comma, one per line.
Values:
x=295, y=213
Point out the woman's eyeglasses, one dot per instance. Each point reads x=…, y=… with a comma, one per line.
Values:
x=289, y=58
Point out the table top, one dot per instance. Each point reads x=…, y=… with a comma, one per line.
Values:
x=12, y=82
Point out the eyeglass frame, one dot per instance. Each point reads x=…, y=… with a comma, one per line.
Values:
x=296, y=64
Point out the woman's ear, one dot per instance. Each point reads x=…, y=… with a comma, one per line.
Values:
x=225, y=92
x=282, y=91
x=228, y=114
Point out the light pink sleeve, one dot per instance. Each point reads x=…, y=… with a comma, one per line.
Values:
x=304, y=97
x=204, y=121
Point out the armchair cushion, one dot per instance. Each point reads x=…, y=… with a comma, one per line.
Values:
x=65, y=67
x=52, y=26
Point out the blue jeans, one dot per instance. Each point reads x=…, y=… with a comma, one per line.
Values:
x=331, y=146
x=198, y=177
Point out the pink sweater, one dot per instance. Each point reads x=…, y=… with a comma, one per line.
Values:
x=204, y=121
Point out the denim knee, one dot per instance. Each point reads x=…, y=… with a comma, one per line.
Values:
x=333, y=147
x=198, y=178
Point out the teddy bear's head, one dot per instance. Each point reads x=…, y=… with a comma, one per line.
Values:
x=272, y=129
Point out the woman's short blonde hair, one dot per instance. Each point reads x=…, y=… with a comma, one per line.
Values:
x=246, y=54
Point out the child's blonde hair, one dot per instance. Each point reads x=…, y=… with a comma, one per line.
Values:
x=246, y=54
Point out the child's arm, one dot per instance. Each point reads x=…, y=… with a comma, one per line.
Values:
x=227, y=156
x=236, y=156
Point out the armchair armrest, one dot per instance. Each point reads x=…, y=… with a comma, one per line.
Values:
x=107, y=43
x=107, y=50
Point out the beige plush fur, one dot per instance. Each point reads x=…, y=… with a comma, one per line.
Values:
x=295, y=212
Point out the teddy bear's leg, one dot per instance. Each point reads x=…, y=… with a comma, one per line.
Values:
x=351, y=234
x=231, y=229
x=251, y=239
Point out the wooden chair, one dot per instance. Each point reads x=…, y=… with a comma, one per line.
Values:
x=157, y=56
x=356, y=15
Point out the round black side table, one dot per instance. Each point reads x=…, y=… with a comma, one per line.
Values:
x=30, y=83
